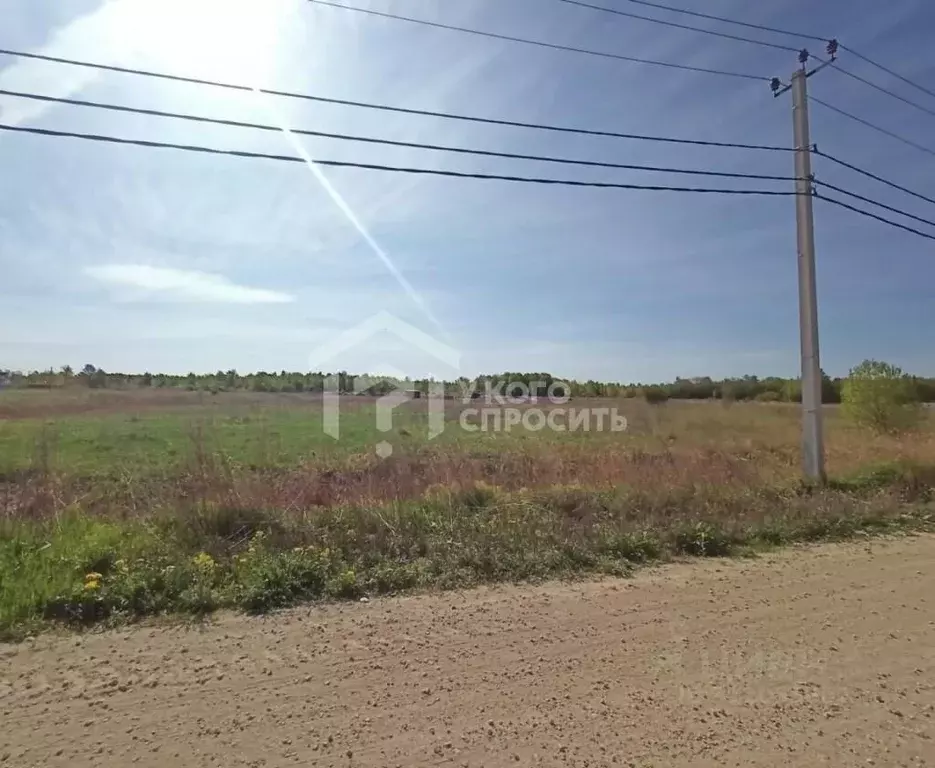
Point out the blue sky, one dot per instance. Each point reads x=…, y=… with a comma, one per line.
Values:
x=136, y=259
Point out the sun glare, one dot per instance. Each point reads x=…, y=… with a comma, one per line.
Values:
x=233, y=40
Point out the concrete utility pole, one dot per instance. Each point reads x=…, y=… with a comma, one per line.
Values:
x=813, y=449
x=813, y=444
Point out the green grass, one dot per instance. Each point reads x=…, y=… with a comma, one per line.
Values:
x=148, y=443
x=258, y=560
x=119, y=443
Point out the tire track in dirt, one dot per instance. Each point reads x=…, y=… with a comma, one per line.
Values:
x=824, y=656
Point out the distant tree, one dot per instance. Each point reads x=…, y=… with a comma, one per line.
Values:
x=88, y=370
x=345, y=382
x=880, y=397
x=701, y=388
x=655, y=395
x=727, y=392
x=98, y=379
x=830, y=389
x=792, y=391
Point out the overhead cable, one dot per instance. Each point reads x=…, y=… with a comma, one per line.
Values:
x=869, y=175
x=863, y=199
x=787, y=33
x=388, y=108
x=874, y=216
x=702, y=30
x=872, y=126
x=390, y=142
x=390, y=168
x=540, y=43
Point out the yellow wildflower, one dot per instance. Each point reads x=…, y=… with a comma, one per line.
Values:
x=93, y=576
x=92, y=585
x=204, y=561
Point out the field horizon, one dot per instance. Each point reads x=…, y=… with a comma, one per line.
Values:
x=118, y=504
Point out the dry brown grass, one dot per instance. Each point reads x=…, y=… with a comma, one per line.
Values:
x=675, y=446
x=467, y=508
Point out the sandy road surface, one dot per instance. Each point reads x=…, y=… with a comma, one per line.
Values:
x=818, y=657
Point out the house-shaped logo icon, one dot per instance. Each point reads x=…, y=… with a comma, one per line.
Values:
x=383, y=322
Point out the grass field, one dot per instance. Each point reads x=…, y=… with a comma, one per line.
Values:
x=117, y=504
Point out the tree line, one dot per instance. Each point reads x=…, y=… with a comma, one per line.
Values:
x=750, y=388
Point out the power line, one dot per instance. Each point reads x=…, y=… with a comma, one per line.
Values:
x=869, y=175
x=463, y=175
x=888, y=71
x=390, y=168
x=453, y=174
x=872, y=126
x=388, y=108
x=740, y=38
x=748, y=25
x=882, y=219
x=672, y=65
x=868, y=200
x=728, y=36
x=390, y=142
x=794, y=34
x=540, y=43
x=881, y=89
x=478, y=152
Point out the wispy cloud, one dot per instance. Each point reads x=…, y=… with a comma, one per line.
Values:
x=93, y=31
x=185, y=285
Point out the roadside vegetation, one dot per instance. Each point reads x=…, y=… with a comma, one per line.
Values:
x=133, y=504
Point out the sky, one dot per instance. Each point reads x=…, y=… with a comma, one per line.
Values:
x=136, y=259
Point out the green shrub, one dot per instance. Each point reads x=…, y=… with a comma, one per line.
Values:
x=638, y=547
x=655, y=395
x=266, y=578
x=702, y=539
x=880, y=397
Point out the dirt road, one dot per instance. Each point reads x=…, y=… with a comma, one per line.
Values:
x=809, y=658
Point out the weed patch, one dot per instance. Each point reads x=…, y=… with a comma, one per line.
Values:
x=81, y=569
